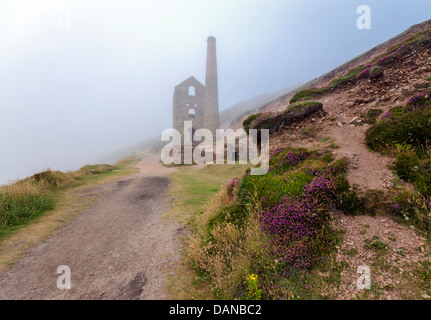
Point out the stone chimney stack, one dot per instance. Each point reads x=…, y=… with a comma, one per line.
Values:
x=211, y=88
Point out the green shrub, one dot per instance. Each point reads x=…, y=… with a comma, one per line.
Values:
x=246, y=123
x=350, y=76
x=406, y=131
x=307, y=94
x=340, y=166
x=301, y=106
x=423, y=272
x=373, y=201
x=235, y=214
x=347, y=198
x=411, y=128
x=423, y=178
x=271, y=188
x=397, y=111
x=52, y=178
x=15, y=210
x=349, y=202
x=376, y=72
x=413, y=208
x=406, y=161
x=371, y=116
x=286, y=159
x=328, y=157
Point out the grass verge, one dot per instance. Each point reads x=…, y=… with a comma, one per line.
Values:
x=34, y=208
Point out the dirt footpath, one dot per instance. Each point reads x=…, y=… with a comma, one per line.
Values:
x=121, y=248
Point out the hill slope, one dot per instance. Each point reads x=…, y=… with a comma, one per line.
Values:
x=348, y=186
x=282, y=101
x=231, y=115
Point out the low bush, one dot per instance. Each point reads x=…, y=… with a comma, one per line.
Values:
x=311, y=93
x=422, y=180
x=374, y=201
x=406, y=132
x=272, y=188
x=247, y=122
x=406, y=162
x=413, y=208
x=301, y=106
x=295, y=224
x=264, y=120
x=371, y=115
x=273, y=223
x=284, y=160
x=349, y=201
x=270, y=120
x=409, y=128
x=307, y=94
x=349, y=77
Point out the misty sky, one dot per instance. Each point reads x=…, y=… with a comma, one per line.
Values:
x=69, y=96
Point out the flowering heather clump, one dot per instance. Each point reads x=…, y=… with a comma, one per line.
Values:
x=326, y=171
x=418, y=99
x=401, y=48
x=295, y=224
x=289, y=160
x=294, y=204
x=386, y=58
x=382, y=60
x=276, y=152
x=312, y=171
x=320, y=190
x=387, y=115
x=263, y=118
x=413, y=108
x=417, y=102
x=367, y=70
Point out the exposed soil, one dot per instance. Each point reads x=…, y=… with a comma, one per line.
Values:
x=121, y=248
x=368, y=170
x=394, y=271
x=393, y=264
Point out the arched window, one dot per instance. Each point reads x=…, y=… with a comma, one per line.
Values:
x=191, y=114
x=192, y=91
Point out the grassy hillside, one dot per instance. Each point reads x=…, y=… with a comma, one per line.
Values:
x=24, y=200
x=237, y=111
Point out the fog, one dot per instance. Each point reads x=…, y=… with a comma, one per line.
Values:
x=82, y=79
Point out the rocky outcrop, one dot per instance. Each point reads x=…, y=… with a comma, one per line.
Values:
x=294, y=113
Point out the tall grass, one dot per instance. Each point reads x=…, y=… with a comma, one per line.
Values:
x=28, y=198
x=221, y=255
